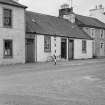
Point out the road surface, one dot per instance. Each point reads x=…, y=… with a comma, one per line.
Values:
x=64, y=84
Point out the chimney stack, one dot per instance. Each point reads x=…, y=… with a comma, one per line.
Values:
x=67, y=13
x=99, y=9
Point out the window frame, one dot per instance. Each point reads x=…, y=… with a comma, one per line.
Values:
x=48, y=44
x=11, y=49
x=93, y=31
x=84, y=46
x=102, y=33
x=10, y=18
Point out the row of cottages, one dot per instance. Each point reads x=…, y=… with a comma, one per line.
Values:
x=49, y=35
x=65, y=27
x=32, y=37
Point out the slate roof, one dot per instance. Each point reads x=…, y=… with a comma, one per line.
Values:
x=13, y=3
x=50, y=25
x=89, y=22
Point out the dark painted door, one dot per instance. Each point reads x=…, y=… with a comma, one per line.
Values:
x=63, y=48
x=30, y=50
x=70, y=49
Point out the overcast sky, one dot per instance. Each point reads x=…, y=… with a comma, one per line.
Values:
x=51, y=6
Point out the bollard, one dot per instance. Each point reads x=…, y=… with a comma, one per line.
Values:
x=55, y=61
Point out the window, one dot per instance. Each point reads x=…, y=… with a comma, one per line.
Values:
x=102, y=45
x=7, y=17
x=8, y=48
x=84, y=46
x=102, y=33
x=93, y=32
x=47, y=43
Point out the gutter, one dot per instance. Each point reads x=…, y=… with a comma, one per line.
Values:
x=57, y=35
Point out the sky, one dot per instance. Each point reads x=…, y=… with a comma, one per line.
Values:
x=51, y=7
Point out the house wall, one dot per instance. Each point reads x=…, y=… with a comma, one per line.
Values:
x=99, y=14
x=16, y=34
x=97, y=40
x=78, y=49
x=45, y=56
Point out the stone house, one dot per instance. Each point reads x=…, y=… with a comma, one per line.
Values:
x=99, y=13
x=12, y=32
x=96, y=29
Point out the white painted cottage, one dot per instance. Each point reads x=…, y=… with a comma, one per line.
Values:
x=12, y=32
x=48, y=35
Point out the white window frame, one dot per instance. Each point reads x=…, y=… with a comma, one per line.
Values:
x=84, y=46
x=47, y=43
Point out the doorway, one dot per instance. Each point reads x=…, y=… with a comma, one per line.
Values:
x=70, y=49
x=30, y=50
x=63, y=48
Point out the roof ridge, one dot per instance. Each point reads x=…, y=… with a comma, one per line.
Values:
x=42, y=14
x=86, y=16
x=90, y=21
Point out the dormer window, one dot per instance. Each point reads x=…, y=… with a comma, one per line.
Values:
x=7, y=17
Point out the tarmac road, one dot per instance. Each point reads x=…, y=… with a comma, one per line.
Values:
x=74, y=83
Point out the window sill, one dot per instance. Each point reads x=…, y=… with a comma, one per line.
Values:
x=10, y=27
x=47, y=51
x=7, y=57
x=84, y=52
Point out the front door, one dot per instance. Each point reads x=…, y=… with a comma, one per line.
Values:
x=70, y=49
x=30, y=53
x=63, y=48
